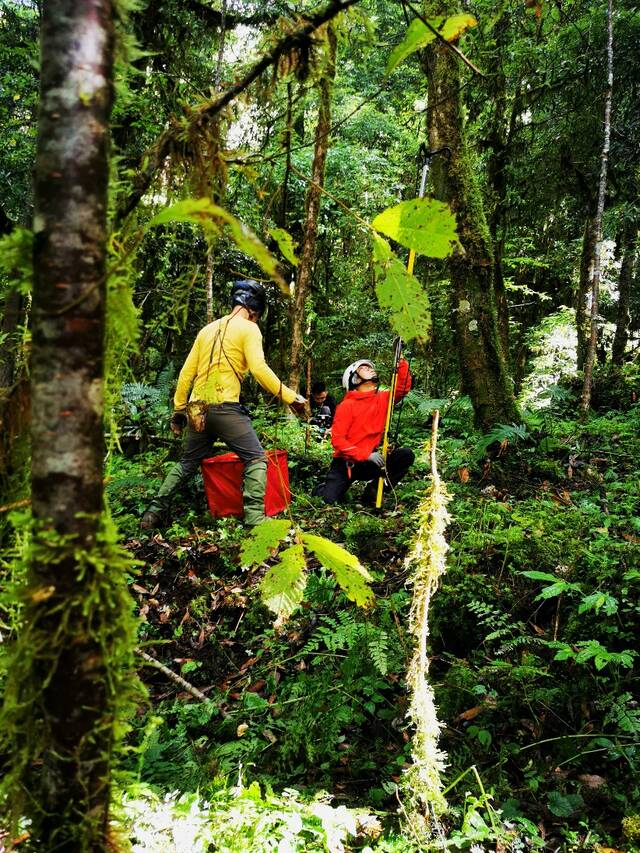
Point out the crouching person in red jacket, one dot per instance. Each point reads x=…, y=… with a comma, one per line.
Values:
x=358, y=428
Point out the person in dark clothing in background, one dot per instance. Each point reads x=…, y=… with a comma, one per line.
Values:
x=320, y=399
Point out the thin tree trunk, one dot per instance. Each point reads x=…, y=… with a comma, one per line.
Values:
x=587, y=258
x=585, y=403
x=625, y=282
x=482, y=358
x=63, y=687
x=312, y=209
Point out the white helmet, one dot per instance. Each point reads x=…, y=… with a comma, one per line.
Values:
x=350, y=378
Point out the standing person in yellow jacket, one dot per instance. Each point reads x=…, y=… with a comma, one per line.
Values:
x=220, y=357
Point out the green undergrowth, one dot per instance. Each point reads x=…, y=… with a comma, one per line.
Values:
x=533, y=657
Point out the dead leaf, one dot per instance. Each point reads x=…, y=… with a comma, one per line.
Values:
x=463, y=473
x=269, y=736
x=592, y=780
x=241, y=730
x=468, y=715
x=140, y=589
x=257, y=686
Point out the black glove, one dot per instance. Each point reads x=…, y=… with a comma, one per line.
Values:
x=377, y=458
x=178, y=422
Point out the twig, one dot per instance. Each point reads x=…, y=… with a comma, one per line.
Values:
x=15, y=505
x=177, y=679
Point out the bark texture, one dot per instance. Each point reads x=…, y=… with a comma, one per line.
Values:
x=312, y=209
x=71, y=789
x=476, y=318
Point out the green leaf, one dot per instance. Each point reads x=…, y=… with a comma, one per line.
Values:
x=285, y=244
x=418, y=36
x=598, y=600
x=540, y=576
x=423, y=224
x=283, y=585
x=402, y=294
x=350, y=574
x=262, y=540
x=564, y=805
x=557, y=588
x=212, y=217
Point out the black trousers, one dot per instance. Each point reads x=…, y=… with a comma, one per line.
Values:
x=338, y=480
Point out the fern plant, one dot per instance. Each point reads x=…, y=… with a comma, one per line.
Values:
x=282, y=587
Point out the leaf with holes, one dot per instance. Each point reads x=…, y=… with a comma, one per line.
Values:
x=423, y=224
x=402, y=294
x=212, y=217
x=285, y=244
x=283, y=585
x=351, y=575
x=263, y=539
x=419, y=36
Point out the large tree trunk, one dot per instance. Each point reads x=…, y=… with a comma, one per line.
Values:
x=312, y=209
x=68, y=671
x=625, y=281
x=480, y=349
x=590, y=355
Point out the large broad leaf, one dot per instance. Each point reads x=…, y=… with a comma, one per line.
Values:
x=212, y=217
x=283, y=585
x=285, y=244
x=262, y=540
x=419, y=36
x=402, y=294
x=350, y=574
x=423, y=224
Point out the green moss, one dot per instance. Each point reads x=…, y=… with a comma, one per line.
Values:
x=50, y=623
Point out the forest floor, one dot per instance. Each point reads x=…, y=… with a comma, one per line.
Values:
x=533, y=655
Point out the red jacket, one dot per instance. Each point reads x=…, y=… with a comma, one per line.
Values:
x=358, y=425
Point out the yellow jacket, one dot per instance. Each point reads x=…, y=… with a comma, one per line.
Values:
x=216, y=376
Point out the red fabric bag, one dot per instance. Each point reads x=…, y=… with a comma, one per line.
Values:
x=222, y=477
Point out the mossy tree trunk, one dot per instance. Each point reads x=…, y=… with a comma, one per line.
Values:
x=312, y=209
x=481, y=354
x=68, y=668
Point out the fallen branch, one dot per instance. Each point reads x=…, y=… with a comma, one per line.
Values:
x=177, y=679
x=153, y=159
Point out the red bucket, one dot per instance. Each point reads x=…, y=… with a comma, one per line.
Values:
x=222, y=477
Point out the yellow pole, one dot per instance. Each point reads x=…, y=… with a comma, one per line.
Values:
x=392, y=394
x=394, y=379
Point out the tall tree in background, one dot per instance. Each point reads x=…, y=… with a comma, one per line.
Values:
x=602, y=187
x=68, y=674
x=312, y=209
x=482, y=358
x=628, y=250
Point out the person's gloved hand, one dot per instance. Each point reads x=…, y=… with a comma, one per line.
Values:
x=377, y=458
x=178, y=422
x=299, y=405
